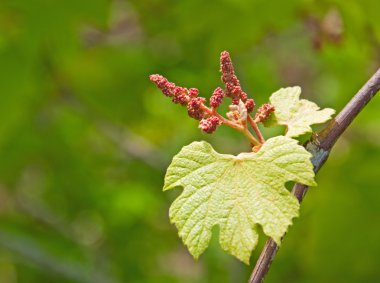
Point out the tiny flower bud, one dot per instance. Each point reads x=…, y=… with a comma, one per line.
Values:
x=235, y=101
x=162, y=83
x=170, y=86
x=182, y=99
x=193, y=92
x=249, y=104
x=217, y=98
x=156, y=78
x=236, y=91
x=210, y=124
x=196, y=102
x=178, y=90
x=230, y=88
x=263, y=112
x=243, y=96
x=194, y=108
x=167, y=92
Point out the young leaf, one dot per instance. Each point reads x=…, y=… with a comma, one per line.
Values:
x=237, y=193
x=297, y=114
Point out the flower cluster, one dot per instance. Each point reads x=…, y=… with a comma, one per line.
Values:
x=196, y=107
x=208, y=117
x=250, y=105
x=210, y=124
x=233, y=88
x=216, y=98
x=179, y=95
x=263, y=112
x=237, y=113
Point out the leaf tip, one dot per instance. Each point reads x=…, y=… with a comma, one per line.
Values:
x=245, y=260
x=313, y=183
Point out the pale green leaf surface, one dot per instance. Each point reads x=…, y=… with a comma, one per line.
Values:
x=297, y=114
x=237, y=193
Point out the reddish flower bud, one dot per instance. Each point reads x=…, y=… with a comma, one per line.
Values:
x=182, y=99
x=194, y=108
x=159, y=80
x=229, y=88
x=167, y=92
x=196, y=102
x=263, y=112
x=243, y=96
x=170, y=86
x=193, y=92
x=250, y=104
x=236, y=91
x=179, y=90
x=162, y=83
x=217, y=98
x=210, y=124
x=235, y=101
x=156, y=78
x=196, y=114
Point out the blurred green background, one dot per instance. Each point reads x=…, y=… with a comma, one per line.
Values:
x=85, y=137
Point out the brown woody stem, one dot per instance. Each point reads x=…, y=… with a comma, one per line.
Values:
x=320, y=146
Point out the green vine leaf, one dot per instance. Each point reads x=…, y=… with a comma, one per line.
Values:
x=297, y=115
x=238, y=193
